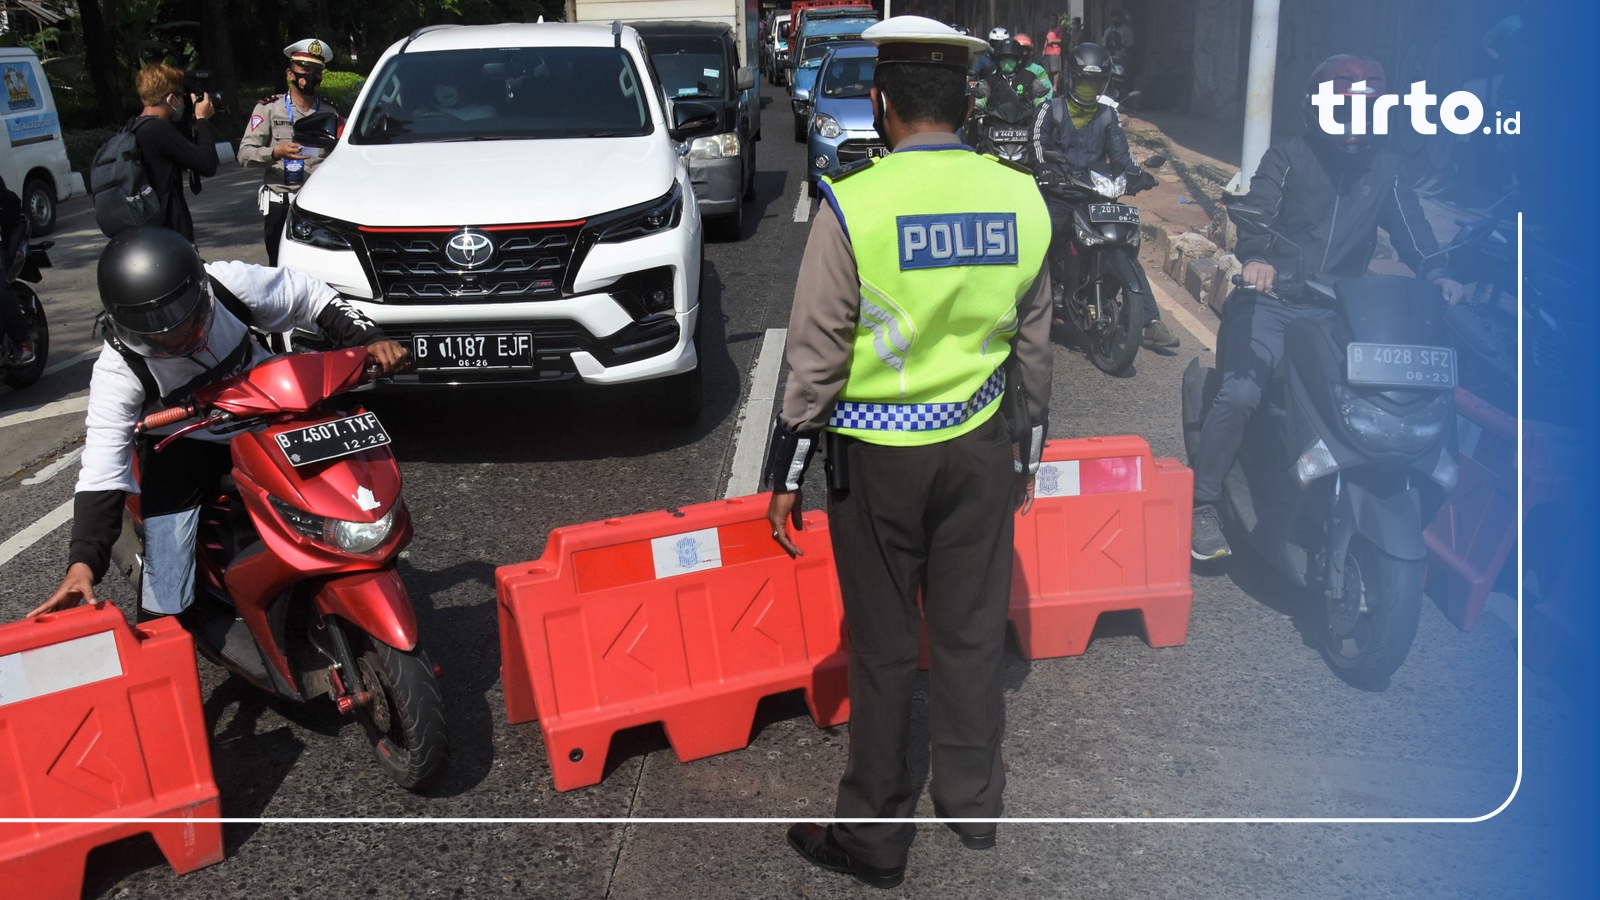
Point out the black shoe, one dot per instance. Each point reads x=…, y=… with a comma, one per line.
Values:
x=1157, y=335
x=1207, y=540
x=816, y=844
x=981, y=841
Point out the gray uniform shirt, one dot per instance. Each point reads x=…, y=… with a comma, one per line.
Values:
x=271, y=124
x=827, y=306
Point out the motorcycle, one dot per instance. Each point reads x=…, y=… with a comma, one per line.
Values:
x=1004, y=130
x=296, y=590
x=24, y=260
x=1104, y=306
x=1350, y=455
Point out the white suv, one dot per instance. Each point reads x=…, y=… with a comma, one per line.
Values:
x=512, y=202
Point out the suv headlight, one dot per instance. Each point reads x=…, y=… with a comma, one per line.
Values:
x=314, y=230
x=715, y=146
x=661, y=214
x=826, y=126
x=340, y=534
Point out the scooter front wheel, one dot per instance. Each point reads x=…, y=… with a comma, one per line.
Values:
x=404, y=718
x=1368, y=630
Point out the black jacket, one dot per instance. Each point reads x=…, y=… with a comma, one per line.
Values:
x=1332, y=205
x=168, y=155
x=1100, y=139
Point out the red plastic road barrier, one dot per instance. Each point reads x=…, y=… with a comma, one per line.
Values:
x=1473, y=534
x=1109, y=530
x=686, y=618
x=99, y=720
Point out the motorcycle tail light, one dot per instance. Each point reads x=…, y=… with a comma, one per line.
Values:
x=1315, y=463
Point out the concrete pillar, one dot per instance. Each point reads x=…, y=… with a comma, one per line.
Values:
x=1258, y=91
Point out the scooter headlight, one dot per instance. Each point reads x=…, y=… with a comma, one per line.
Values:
x=1108, y=187
x=1385, y=432
x=350, y=537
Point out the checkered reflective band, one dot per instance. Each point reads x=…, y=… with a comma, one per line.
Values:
x=915, y=416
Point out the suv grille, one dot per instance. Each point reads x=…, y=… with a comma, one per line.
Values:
x=524, y=262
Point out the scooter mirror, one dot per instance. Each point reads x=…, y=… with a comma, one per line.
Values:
x=320, y=130
x=1155, y=162
x=1249, y=219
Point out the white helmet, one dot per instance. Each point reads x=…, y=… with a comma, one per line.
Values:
x=998, y=34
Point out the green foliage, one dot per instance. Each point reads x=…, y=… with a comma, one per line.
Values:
x=44, y=43
x=81, y=145
x=341, y=89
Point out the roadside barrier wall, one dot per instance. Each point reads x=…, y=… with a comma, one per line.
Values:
x=99, y=721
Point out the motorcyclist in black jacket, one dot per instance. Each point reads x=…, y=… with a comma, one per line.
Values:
x=1330, y=195
x=1074, y=131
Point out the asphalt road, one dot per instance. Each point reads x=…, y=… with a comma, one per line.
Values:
x=1243, y=721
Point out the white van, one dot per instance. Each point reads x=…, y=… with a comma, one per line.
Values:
x=33, y=157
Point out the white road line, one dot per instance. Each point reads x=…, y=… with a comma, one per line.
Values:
x=29, y=536
x=45, y=411
x=1185, y=318
x=49, y=472
x=756, y=417
x=71, y=361
x=802, y=204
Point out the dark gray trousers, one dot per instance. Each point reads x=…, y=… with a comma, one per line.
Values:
x=934, y=521
x=1251, y=344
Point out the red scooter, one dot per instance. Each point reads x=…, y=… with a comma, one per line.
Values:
x=295, y=582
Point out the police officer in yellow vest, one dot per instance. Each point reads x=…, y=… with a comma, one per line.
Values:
x=269, y=136
x=919, y=352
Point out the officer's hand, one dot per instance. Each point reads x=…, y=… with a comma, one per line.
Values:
x=785, y=505
x=203, y=107
x=1453, y=291
x=389, y=355
x=287, y=150
x=1024, y=494
x=1259, y=275
x=77, y=587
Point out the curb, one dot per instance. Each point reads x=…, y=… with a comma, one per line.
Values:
x=1197, y=264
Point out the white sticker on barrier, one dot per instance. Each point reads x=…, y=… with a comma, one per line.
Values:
x=58, y=667
x=1057, y=479
x=692, y=551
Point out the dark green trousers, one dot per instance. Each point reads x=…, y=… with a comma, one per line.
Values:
x=934, y=522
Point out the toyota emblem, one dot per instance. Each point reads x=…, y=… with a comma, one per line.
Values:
x=468, y=249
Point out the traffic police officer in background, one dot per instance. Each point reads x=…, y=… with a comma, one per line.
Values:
x=269, y=136
x=921, y=309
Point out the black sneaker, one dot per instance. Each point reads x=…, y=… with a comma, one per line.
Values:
x=1157, y=335
x=1208, y=541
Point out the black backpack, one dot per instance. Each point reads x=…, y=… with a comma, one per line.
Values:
x=123, y=195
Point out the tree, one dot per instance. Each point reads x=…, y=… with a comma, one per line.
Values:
x=99, y=20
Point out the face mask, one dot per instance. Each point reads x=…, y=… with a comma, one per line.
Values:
x=1085, y=93
x=305, y=82
x=879, y=114
x=177, y=107
x=1007, y=66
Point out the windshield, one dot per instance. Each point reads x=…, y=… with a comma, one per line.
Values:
x=849, y=77
x=504, y=94
x=817, y=45
x=690, y=66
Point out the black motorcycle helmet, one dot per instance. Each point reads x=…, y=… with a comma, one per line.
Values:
x=1088, y=73
x=156, y=292
x=1007, y=50
x=1345, y=71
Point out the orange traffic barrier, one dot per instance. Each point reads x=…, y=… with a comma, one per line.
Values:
x=98, y=721
x=685, y=617
x=1472, y=536
x=1109, y=531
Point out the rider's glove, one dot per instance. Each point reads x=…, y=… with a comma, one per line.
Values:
x=1141, y=181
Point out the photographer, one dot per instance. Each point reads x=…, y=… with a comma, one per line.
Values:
x=169, y=152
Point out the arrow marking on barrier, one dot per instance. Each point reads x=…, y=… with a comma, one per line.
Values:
x=752, y=618
x=86, y=763
x=1104, y=538
x=620, y=653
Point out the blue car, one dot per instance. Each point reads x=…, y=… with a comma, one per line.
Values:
x=809, y=48
x=841, y=130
